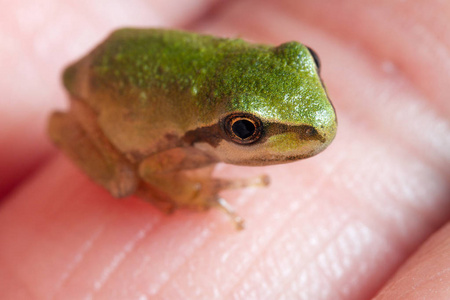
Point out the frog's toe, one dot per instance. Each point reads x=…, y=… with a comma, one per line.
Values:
x=240, y=183
x=238, y=221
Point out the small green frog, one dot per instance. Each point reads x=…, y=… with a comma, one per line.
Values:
x=152, y=111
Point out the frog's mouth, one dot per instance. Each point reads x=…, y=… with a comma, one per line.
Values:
x=270, y=159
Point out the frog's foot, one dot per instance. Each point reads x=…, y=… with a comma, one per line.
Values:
x=193, y=196
x=195, y=189
x=239, y=183
x=200, y=201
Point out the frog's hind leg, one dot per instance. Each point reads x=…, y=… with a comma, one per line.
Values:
x=110, y=170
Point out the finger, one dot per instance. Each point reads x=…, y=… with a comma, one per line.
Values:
x=425, y=274
x=337, y=224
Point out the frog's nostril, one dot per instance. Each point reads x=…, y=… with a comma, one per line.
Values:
x=306, y=132
x=310, y=131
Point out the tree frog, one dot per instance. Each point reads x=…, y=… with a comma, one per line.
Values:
x=153, y=110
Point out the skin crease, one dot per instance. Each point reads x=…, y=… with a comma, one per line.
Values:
x=367, y=216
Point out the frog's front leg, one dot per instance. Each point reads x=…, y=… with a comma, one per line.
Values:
x=182, y=177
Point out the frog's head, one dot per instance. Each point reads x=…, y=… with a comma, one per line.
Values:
x=278, y=110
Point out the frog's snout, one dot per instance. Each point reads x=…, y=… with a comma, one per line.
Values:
x=324, y=132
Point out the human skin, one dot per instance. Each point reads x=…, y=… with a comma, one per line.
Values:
x=367, y=216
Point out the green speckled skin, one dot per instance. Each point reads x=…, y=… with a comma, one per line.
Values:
x=147, y=83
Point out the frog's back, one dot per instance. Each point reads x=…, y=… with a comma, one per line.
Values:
x=133, y=63
x=145, y=84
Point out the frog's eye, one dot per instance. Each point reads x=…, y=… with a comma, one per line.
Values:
x=243, y=128
x=315, y=57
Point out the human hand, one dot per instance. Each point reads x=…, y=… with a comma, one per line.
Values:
x=336, y=226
